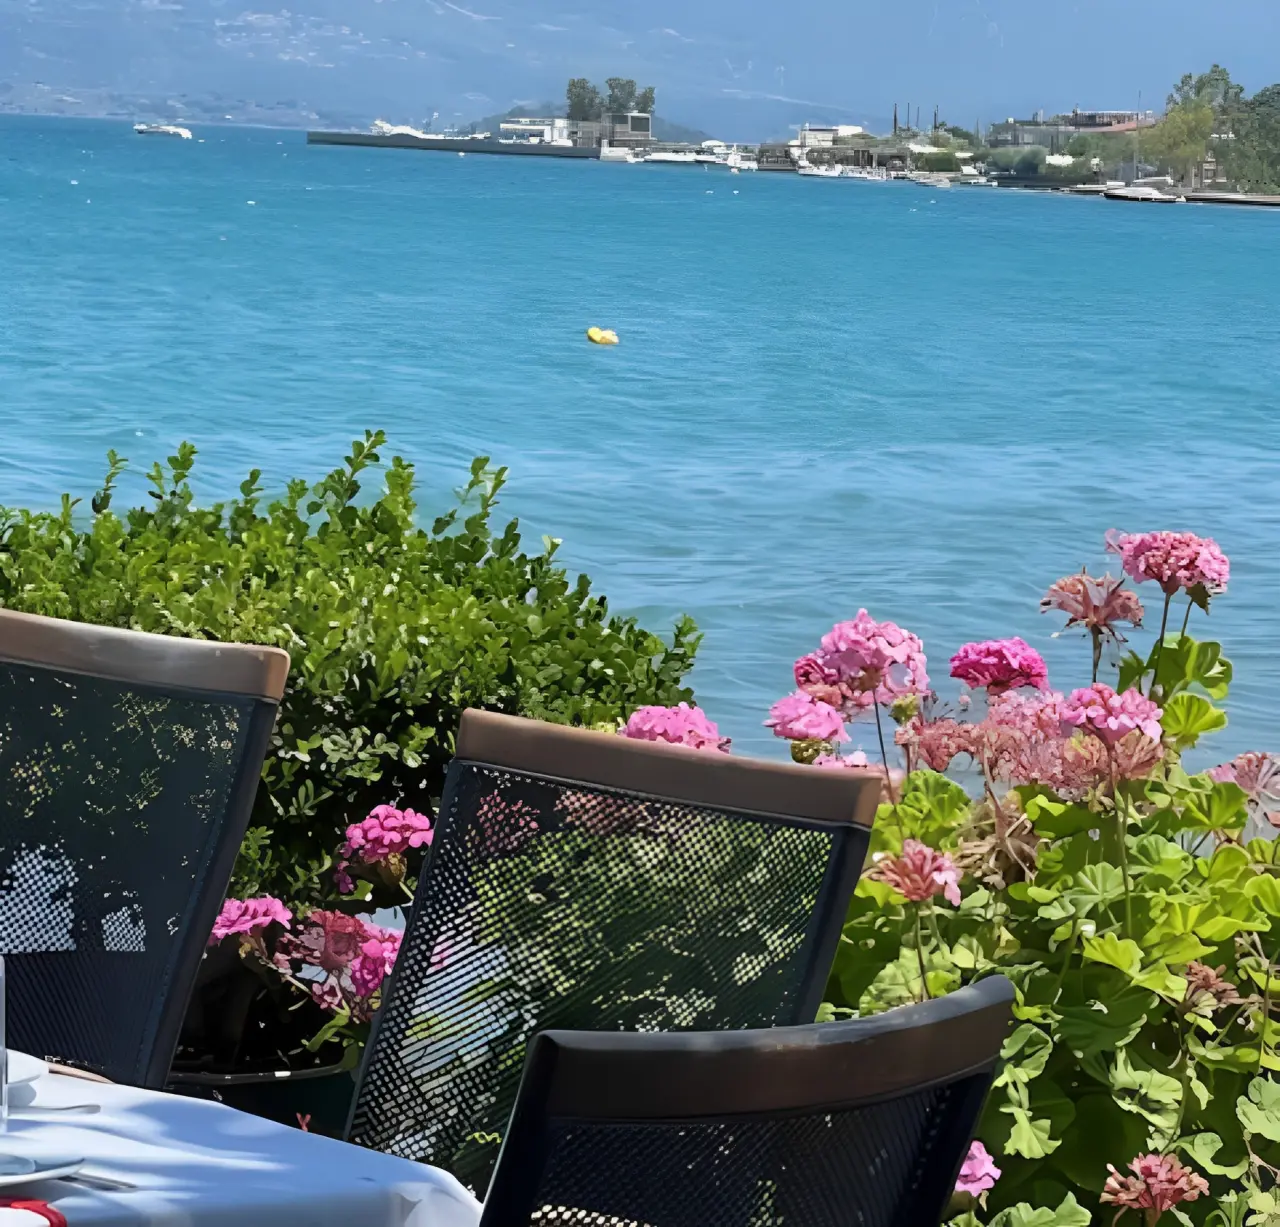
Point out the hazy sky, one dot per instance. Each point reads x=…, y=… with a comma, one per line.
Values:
x=743, y=67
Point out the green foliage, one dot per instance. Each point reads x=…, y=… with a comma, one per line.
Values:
x=392, y=629
x=943, y=161
x=1120, y=1045
x=584, y=99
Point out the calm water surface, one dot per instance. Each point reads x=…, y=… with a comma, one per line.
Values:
x=828, y=394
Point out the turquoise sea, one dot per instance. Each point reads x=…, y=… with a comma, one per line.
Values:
x=828, y=394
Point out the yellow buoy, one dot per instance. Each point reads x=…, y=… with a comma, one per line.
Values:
x=602, y=336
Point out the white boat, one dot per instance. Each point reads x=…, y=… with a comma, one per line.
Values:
x=929, y=179
x=1143, y=194
x=162, y=130
x=869, y=174
x=615, y=153
x=680, y=157
x=819, y=172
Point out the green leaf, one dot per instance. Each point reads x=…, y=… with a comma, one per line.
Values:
x=1104, y=1025
x=1054, y=819
x=1024, y=1055
x=1264, y=891
x=1260, y=1113
x=1029, y=1138
x=1126, y=954
x=1068, y=1213
x=1153, y=1095
x=1101, y=1133
x=1188, y=717
x=1201, y=1149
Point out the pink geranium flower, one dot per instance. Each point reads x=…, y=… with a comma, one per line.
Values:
x=327, y=940
x=801, y=717
x=1096, y=604
x=375, y=960
x=856, y=760
x=1172, y=560
x=249, y=916
x=679, y=726
x=919, y=873
x=1110, y=716
x=979, y=1172
x=935, y=742
x=1158, y=1183
x=386, y=832
x=874, y=662
x=1000, y=665
x=1259, y=775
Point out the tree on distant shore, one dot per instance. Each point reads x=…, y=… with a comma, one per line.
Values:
x=584, y=99
x=587, y=102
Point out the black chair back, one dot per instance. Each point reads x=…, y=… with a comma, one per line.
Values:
x=128, y=768
x=584, y=880
x=864, y=1122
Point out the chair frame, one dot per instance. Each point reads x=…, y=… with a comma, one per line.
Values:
x=629, y=1078
x=193, y=668
x=843, y=800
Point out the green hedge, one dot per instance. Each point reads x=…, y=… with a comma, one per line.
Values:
x=392, y=629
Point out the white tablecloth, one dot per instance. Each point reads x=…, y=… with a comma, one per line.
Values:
x=193, y=1163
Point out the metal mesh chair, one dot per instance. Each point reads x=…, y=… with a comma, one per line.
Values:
x=856, y=1124
x=128, y=768
x=588, y=881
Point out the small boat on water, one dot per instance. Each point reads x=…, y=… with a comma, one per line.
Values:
x=681, y=157
x=869, y=174
x=819, y=172
x=162, y=130
x=1143, y=194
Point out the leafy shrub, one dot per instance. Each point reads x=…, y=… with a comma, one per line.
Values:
x=1132, y=903
x=392, y=629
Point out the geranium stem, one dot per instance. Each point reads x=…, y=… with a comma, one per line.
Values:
x=1164, y=623
x=1186, y=618
x=924, y=978
x=1097, y=649
x=884, y=757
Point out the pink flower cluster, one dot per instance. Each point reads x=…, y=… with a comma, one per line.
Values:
x=1110, y=716
x=680, y=726
x=860, y=663
x=1259, y=775
x=387, y=832
x=1173, y=560
x=979, y=1172
x=1000, y=665
x=340, y=960
x=918, y=873
x=1158, y=1183
x=1029, y=739
x=504, y=827
x=801, y=717
x=249, y=916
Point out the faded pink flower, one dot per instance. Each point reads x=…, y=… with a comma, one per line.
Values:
x=919, y=873
x=1000, y=665
x=1259, y=775
x=1207, y=989
x=386, y=832
x=1110, y=716
x=376, y=959
x=935, y=742
x=801, y=717
x=1095, y=604
x=1172, y=560
x=249, y=916
x=978, y=1173
x=856, y=760
x=680, y=726
x=814, y=676
x=1159, y=1183
x=327, y=940
x=875, y=662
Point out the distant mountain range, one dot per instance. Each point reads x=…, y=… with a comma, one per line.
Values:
x=346, y=62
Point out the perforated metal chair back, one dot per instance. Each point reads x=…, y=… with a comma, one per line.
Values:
x=584, y=880
x=856, y=1124
x=128, y=768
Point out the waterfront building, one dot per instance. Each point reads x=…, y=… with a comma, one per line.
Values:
x=1056, y=132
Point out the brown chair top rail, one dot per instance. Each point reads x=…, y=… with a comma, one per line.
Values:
x=146, y=659
x=691, y=777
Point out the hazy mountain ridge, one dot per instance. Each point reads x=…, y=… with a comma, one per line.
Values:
x=354, y=60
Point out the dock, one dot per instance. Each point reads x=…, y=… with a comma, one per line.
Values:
x=453, y=144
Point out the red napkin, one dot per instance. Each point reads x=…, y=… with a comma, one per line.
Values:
x=54, y=1218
